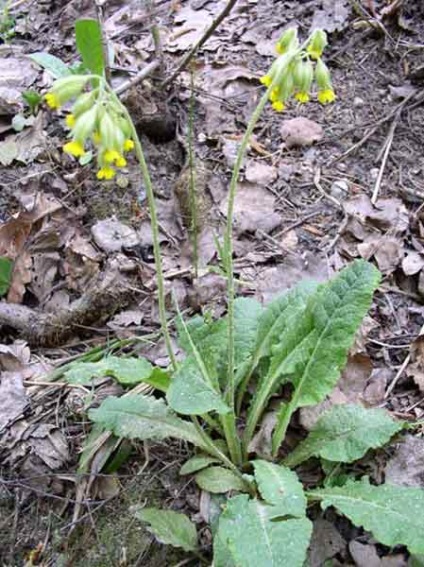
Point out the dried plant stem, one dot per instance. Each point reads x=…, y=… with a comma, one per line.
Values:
x=194, y=228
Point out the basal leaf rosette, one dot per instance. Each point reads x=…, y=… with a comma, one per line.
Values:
x=296, y=69
x=95, y=122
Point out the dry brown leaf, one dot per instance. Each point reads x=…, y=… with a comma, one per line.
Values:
x=21, y=276
x=126, y=318
x=253, y=209
x=260, y=173
x=16, y=75
x=412, y=263
x=364, y=555
x=112, y=236
x=326, y=542
x=300, y=131
x=13, y=398
x=416, y=366
x=406, y=466
x=389, y=255
x=387, y=214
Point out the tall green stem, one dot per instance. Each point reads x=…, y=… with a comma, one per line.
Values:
x=229, y=420
x=155, y=232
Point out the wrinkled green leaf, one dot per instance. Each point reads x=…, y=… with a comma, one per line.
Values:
x=197, y=463
x=248, y=536
x=273, y=320
x=218, y=480
x=344, y=434
x=169, y=527
x=313, y=363
x=88, y=36
x=281, y=487
x=55, y=66
x=126, y=370
x=394, y=514
x=195, y=387
x=143, y=417
x=6, y=267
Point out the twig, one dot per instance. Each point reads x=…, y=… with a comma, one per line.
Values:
x=148, y=70
x=372, y=130
x=185, y=60
x=401, y=370
x=317, y=177
x=387, y=146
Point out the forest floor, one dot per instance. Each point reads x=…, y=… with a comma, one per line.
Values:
x=348, y=182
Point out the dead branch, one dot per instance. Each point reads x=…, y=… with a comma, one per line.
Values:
x=107, y=294
x=186, y=59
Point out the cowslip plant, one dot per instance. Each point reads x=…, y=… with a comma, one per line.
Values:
x=217, y=397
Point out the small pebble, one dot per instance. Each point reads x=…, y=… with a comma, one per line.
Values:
x=358, y=101
x=340, y=189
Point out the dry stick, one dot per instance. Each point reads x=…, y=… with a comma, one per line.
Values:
x=140, y=76
x=372, y=130
x=387, y=146
x=185, y=60
x=401, y=370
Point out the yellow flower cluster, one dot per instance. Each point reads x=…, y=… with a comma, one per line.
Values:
x=96, y=119
x=295, y=70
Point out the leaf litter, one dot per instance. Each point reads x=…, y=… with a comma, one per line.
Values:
x=48, y=222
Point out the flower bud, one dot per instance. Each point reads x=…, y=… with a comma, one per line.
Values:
x=287, y=41
x=68, y=87
x=303, y=75
x=84, y=102
x=85, y=125
x=317, y=44
x=111, y=135
x=322, y=75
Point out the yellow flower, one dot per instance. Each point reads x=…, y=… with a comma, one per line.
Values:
x=96, y=138
x=326, y=96
x=278, y=105
x=112, y=156
x=74, y=148
x=106, y=173
x=317, y=44
x=302, y=97
x=70, y=120
x=287, y=41
x=274, y=94
x=266, y=80
x=52, y=101
x=128, y=145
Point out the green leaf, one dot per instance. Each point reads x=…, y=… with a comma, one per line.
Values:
x=127, y=371
x=55, y=66
x=194, y=389
x=88, y=36
x=248, y=536
x=394, y=514
x=169, y=527
x=143, y=417
x=344, y=434
x=218, y=480
x=247, y=314
x=281, y=487
x=312, y=361
x=6, y=267
x=197, y=463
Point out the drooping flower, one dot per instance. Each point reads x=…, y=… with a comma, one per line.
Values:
x=128, y=145
x=325, y=88
x=70, y=120
x=303, y=76
x=114, y=157
x=287, y=41
x=52, y=101
x=317, y=44
x=74, y=148
x=326, y=96
x=106, y=173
